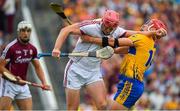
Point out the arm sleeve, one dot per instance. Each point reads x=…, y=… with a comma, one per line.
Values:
x=7, y=53
x=88, y=27
x=35, y=53
x=84, y=26
x=121, y=32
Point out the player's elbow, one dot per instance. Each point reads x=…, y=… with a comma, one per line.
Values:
x=129, y=42
x=72, y=29
x=65, y=30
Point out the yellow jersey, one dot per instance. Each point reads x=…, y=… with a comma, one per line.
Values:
x=139, y=57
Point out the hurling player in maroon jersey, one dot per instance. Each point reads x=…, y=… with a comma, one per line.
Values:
x=15, y=60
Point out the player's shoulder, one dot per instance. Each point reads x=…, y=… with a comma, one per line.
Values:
x=31, y=46
x=120, y=29
x=11, y=44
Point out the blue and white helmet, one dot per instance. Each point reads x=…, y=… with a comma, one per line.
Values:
x=24, y=24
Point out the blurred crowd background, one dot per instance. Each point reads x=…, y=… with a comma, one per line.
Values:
x=162, y=80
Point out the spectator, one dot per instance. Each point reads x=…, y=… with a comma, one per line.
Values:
x=2, y=22
x=9, y=10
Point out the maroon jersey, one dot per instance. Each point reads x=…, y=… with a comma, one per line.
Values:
x=19, y=56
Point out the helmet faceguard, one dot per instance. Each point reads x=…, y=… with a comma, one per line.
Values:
x=156, y=24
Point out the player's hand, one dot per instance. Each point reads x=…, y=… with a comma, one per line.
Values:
x=56, y=53
x=19, y=81
x=46, y=87
x=161, y=32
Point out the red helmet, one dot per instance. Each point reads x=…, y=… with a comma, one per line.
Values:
x=157, y=24
x=110, y=18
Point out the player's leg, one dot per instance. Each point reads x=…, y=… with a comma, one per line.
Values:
x=6, y=94
x=72, y=98
x=24, y=104
x=72, y=91
x=24, y=98
x=129, y=91
x=5, y=103
x=113, y=105
x=97, y=91
x=72, y=84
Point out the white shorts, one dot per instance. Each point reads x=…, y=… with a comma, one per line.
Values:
x=14, y=91
x=75, y=77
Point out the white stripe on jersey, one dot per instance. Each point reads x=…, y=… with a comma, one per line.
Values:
x=89, y=22
x=7, y=48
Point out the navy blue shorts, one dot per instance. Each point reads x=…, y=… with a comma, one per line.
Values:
x=129, y=91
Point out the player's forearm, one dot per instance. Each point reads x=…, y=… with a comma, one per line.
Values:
x=121, y=50
x=108, y=41
x=39, y=70
x=2, y=67
x=96, y=40
x=40, y=75
x=61, y=38
x=147, y=33
x=117, y=42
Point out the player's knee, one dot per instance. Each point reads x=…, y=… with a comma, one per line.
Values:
x=102, y=105
x=5, y=103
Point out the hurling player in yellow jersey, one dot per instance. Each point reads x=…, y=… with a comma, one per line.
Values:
x=139, y=56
